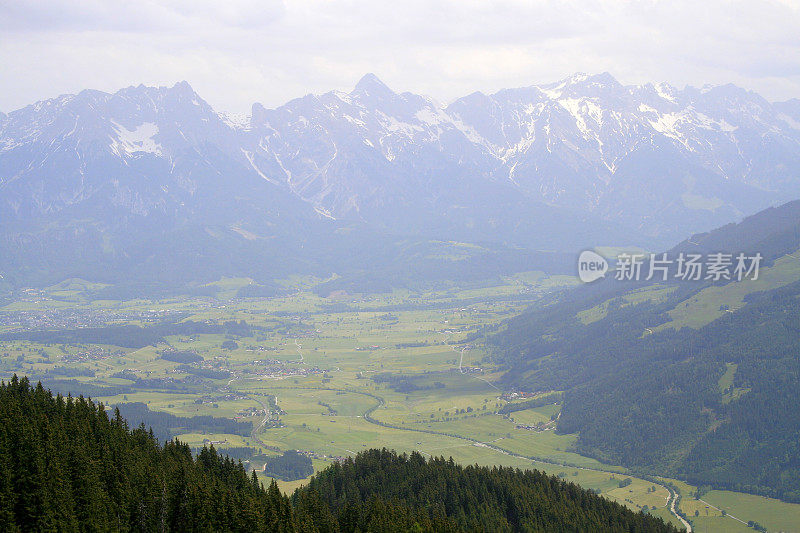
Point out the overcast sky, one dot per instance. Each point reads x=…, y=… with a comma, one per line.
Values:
x=236, y=52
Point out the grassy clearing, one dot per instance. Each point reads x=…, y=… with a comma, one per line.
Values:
x=713, y=302
x=653, y=294
x=773, y=514
x=706, y=513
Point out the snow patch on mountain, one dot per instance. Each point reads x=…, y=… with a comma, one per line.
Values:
x=249, y=157
x=138, y=140
x=236, y=121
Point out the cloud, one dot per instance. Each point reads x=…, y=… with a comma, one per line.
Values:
x=128, y=16
x=237, y=52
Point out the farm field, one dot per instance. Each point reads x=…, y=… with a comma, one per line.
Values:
x=774, y=515
x=329, y=377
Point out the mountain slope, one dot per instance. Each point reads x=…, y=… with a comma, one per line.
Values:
x=691, y=379
x=651, y=155
x=96, y=184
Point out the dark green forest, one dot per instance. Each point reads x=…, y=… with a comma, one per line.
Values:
x=289, y=466
x=439, y=494
x=131, y=336
x=67, y=465
x=166, y=425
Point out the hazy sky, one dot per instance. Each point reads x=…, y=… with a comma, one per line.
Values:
x=236, y=52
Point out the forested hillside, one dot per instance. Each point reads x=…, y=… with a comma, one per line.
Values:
x=65, y=465
x=454, y=498
x=712, y=403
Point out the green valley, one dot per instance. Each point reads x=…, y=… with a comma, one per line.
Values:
x=329, y=377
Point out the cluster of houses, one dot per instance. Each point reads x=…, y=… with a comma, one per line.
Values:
x=41, y=319
x=91, y=354
x=539, y=426
x=229, y=397
x=249, y=412
x=518, y=395
x=283, y=372
x=315, y=455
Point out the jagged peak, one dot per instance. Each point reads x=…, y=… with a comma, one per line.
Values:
x=572, y=79
x=370, y=84
x=183, y=85
x=181, y=88
x=604, y=78
x=57, y=102
x=257, y=112
x=89, y=95
x=576, y=78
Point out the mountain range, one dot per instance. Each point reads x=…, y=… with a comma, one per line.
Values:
x=153, y=180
